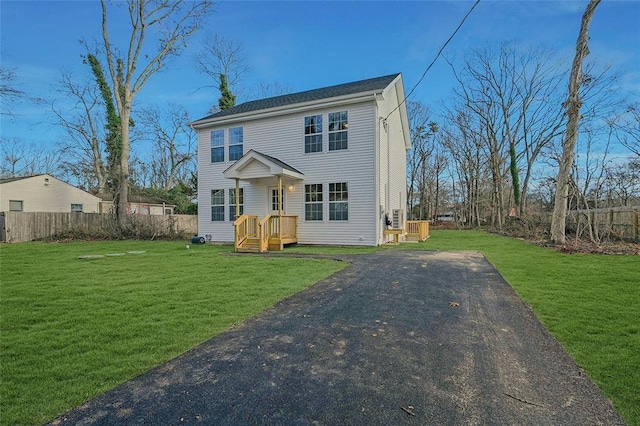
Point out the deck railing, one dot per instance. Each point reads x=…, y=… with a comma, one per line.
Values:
x=418, y=229
x=246, y=226
x=270, y=232
x=265, y=232
x=288, y=225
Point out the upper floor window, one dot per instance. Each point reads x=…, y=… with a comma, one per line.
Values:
x=338, y=201
x=76, y=207
x=217, y=146
x=338, y=124
x=232, y=203
x=313, y=202
x=217, y=205
x=313, y=133
x=236, y=138
x=15, y=205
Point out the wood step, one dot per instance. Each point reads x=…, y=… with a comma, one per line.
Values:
x=250, y=245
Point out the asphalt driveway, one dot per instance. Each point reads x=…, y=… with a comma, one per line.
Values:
x=398, y=337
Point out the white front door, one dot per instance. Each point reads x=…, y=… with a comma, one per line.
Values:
x=274, y=200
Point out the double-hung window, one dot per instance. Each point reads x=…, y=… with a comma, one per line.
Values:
x=76, y=207
x=236, y=137
x=232, y=203
x=313, y=202
x=217, y=146
x=313, y=133
x=338, y=124
x=338, y=201
x=217, y=205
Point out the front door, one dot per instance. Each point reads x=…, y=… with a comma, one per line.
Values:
x=274, y=200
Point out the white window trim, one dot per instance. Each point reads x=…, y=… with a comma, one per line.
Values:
x=305, y=203
x=230, y=206
x=223, y=146
x=224, y=206
x=325, y=133
x=229, y=144
x=16, y=201
x=326, y=203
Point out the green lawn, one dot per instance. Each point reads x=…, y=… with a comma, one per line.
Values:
x=590, y=303
x=71, y=329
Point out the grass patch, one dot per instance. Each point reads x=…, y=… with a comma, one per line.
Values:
x=72, y=329
x=590, y=303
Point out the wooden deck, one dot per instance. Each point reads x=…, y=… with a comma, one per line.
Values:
x=414, y=230
x=271, y=232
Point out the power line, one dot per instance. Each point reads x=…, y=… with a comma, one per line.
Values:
x=434, y=59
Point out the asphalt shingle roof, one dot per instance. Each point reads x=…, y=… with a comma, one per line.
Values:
x=371, y=84
x=13, y=179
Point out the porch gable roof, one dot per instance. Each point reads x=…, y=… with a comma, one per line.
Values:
x=271, y=167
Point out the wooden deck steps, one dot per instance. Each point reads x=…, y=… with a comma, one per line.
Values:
x=250, y=245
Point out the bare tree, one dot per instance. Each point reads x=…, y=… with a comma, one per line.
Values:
x=84, y=124
x=421, y=147
x=172, y=23
x=173, y=145
x=512, y=99
x=19, y=158
x=573, y=105
x=270, y=89
x=464, y=146
x=8, y=90
x=222, y=56
x=623, y=184
x=588, y=177
x=627, y=128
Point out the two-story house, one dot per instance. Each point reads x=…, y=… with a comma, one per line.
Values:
x=325, y=166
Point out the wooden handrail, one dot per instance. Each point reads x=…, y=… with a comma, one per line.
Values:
x=418, y=228
x=244, y=227
x=264, y=232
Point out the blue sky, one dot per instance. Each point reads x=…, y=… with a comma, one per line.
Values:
x=304, y=45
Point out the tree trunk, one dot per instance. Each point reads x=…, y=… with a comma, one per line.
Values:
x=573, y=104
x=123, y=182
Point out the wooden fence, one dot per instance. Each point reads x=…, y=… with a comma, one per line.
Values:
x=618, y=222
x=28, y=226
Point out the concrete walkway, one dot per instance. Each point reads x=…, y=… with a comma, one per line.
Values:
x=398, y=337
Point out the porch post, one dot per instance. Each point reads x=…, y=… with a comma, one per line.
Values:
x=280, y=197
x=237, y=198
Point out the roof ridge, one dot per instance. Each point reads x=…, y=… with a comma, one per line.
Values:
x=376, y=83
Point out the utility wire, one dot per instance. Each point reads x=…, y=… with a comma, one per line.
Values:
x=434, y=59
